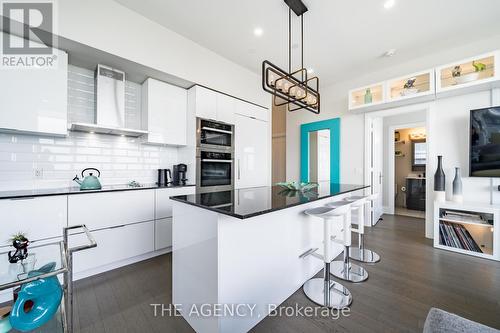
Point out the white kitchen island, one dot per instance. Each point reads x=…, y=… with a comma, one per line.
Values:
x=236, y=253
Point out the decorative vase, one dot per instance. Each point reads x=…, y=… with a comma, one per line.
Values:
x=368, y=96
x=457, y=187
x=440, y=181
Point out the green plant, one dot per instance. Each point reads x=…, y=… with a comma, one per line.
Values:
x=478, y=66
x=19, y=236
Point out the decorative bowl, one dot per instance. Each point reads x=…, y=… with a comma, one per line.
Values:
x=293, y=186
x=409, y=91
x=467, y=78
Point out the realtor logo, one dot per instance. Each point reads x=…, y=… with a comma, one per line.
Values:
x=30, y=41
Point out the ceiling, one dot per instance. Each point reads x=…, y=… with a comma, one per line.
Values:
x=342, y=38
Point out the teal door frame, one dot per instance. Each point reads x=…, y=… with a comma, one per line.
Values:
x=334, y=126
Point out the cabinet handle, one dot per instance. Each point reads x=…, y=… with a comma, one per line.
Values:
x=216, y=130
x=117, y=226
x=239, y=170
x=23, y=198
x=216, y=161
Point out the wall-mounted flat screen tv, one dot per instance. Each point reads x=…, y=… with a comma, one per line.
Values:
x=484, y=152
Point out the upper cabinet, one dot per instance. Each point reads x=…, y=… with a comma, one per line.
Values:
x=34, y=99
x=226, y=107
x=205, y=103
x=461, y=77
x=212, y=105
x=367, y=96
x=164, y=113
x=411, y=86
x=473, y=72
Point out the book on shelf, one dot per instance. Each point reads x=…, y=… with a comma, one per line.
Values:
x=456, y=235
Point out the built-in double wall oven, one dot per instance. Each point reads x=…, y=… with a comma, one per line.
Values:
x=214, y=156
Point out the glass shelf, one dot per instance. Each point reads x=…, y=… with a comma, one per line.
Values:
x=468, y=74
x=359, y=98
x=37, y=257
x=13, y=275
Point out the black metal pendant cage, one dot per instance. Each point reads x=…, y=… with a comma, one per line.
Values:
x=294, y=89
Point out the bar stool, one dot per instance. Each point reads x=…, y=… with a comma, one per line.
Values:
x=346, y=270
x=359, y=203
x=324, y=291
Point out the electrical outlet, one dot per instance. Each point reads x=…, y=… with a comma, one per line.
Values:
x=39, y=173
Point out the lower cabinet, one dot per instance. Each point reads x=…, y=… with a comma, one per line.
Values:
x=163, y=233
x=115, y=244
x=38, y=217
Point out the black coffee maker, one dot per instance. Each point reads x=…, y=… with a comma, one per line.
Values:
x=179, y=175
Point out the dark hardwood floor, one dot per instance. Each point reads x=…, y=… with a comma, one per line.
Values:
x=411, y=278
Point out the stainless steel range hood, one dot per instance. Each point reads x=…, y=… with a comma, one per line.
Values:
x=110, y=105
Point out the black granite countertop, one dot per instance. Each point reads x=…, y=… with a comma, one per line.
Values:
x=18, y=194
x=250, y=202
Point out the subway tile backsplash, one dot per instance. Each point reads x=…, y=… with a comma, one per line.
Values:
x=28, y=161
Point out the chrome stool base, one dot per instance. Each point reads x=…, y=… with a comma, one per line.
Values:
x=354, y=274
x=339, y=296
x=364, y=255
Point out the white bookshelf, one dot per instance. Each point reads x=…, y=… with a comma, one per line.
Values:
x=477, y=224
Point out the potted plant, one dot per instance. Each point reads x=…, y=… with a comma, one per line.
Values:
x=20, y=242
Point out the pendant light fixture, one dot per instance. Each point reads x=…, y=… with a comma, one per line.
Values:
x=292, y=88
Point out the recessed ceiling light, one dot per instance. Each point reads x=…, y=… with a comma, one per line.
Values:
x=390, y=53
x=258, y=32
x=91, y=132
x=389, y=4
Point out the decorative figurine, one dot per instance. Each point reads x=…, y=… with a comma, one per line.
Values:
x=457, y=71
x=20, y=242
x=478, y=66
x=409, y=83
x=368, y=96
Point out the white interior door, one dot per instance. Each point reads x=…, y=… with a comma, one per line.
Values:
x=376, y=167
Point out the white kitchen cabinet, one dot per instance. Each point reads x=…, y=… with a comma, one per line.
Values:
x=251, y=110
x=163, y=206
x=164, y=113
x=204, y=102
x=108, y=209
x=38, y=217
x=226, y=108
x=163, y=233
x=34, y=100
x=113, y=245
x=251, y=152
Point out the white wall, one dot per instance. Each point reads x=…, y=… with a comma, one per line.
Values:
x=334, y=104
x=449, y=116
x=111, y=27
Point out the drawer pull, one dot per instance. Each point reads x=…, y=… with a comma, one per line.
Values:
x=23, y=198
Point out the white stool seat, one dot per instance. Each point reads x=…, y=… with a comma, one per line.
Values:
x=345, y=269
x=363, y=206
x=324, y=291
x=326, y=211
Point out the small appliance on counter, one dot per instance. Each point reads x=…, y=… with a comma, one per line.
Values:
x=179, y=176
x=164, y=177
x=89, y=182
